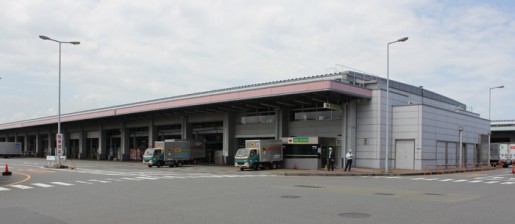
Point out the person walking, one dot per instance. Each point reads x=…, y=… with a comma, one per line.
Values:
x=349, y=158
x=330, y=160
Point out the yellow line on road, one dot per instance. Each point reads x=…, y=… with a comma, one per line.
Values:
x=27, y=177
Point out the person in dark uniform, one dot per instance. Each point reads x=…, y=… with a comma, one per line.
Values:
x=330, y=160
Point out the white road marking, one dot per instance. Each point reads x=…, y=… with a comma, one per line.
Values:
x=508, y=183
x=445, y=180
x=4, y=189
x=130, y=178
x=21, y=186
x=148, y=178
x=62, y=183
x=42, y=185
x=476, y=181
x=100, y=181
x=492, y=182
x=83, y=182
x=457, y=181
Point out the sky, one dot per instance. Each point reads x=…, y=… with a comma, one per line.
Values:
x=133, y=50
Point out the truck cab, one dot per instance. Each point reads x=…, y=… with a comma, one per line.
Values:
x=153, y=157
x=247, y=158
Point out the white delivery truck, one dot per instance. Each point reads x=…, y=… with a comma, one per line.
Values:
x=174, y=152
x=9, y=149
x=260, y=154
x=500, y=154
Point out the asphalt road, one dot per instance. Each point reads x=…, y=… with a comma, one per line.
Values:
x=121, y=192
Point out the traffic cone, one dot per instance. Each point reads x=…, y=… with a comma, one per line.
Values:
x=6, y=173
x=512, y=169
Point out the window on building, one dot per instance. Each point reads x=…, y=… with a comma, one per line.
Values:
x=316, y=114
x=264, y=117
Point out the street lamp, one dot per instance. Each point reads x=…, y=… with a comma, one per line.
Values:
x=59, y=101
x=490, y=99
x=388, y=97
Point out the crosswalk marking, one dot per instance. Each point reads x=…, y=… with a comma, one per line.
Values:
x=457, y=181
x=83, y=182
x=42, y=185
x=62, y=183
x=445, y=180
x=4, y=189
x=476, y=181
x=148, y=178
x=508, y=183
x=492, y=182
x=100, y=181
x=130, y=178
x=21, y=187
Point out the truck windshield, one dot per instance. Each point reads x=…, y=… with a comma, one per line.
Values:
x=242, y=152
x=149, y=151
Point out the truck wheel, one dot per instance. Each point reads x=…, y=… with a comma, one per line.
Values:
x=179, y=163
x=241, y=169
x=149, y=166
x=255, y=166
x=172, y=164
x=274, y=165
x=158, y=164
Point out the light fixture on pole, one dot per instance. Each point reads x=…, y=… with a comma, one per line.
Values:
x=388, y=98
x=58, y=149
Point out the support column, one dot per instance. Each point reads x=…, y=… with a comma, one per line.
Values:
x=124, y=142
x=25, y=143
x=186, y=129
x=66, y=142
x=38, y=145
x=83, y=137
x=152, y=133
x=349, y=119
x=229, y=143
x=51, y=143
x=102, y=143
x=282, y=121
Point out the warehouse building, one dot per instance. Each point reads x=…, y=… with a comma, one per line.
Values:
x=345, y=111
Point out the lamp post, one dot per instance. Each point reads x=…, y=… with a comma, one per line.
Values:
x=490, y=100
x=388, y=98
x=59, y=136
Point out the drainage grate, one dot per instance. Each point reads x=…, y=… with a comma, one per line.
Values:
x=384, y=194
x=308, y=186
x=354, y=215
x=290, y=196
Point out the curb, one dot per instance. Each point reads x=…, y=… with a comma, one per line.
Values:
x=349, y=174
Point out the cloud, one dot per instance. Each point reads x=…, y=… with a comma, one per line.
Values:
x=132, y=50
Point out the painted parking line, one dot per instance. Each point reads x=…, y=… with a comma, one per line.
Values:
x=62, y=183
x=42, y=185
